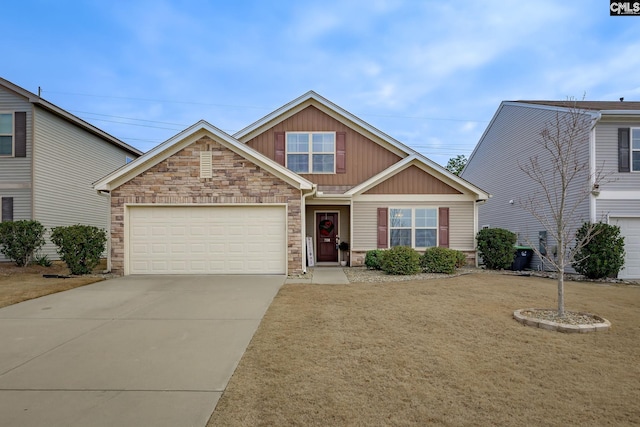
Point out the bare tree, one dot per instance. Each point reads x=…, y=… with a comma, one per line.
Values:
x=564, y=181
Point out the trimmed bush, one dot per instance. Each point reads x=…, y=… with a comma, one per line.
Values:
x=79, y=246
x=401, y=260
x=603, y=255
x=21, y=239
x=439, y=260
x=495, y=246
x=373, y=259
x=461, y=259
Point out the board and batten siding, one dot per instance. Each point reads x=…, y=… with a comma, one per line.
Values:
x=67, y=161
x=365, y=222
x=495, y=166
x=364, y=158
x=15, y=172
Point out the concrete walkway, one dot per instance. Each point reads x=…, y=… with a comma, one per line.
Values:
x=132, y=351
x=324, y=276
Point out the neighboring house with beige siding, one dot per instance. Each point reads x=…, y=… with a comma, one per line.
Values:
x=612, y=143
x=49, y=160
x=280, y=195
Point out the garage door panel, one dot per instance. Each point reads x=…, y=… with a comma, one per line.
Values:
x=630, y=229
x=207, y=240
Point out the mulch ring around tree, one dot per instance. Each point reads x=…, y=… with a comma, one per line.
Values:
x=571, y=321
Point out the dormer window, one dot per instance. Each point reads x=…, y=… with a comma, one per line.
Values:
x=311, y=152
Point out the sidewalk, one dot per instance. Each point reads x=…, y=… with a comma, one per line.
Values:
x=323, y=276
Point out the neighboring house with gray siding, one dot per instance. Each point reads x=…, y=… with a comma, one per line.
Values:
x=612, y=143
x=49, y=160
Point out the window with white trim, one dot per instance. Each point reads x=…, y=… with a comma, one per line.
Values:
x=414, y=227
x=635, y=149
x=311, y=152
x=6, y=134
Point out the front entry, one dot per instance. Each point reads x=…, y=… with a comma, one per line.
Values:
x=326, y=231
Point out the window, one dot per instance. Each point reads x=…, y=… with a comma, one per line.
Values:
x=6, y=134
x=417, y=227
x=635, y=149
x=311, y=152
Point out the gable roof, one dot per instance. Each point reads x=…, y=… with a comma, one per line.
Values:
x=329, y=108
x=65, y=115
x=590, y=105
x=187, y=137
x=437, y=171
x=410, y=156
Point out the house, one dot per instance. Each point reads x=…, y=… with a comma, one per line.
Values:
x=280, y=194
x=49, y=160
x=611, y=143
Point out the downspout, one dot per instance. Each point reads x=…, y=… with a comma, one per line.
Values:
x=592, y=166
x=107, y=194
x=303, y=226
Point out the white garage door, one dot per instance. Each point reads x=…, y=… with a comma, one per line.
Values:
x=207, y=240
x=630, y=229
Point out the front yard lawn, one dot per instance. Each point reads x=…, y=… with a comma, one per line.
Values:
x=437, y=352
x=19, y=284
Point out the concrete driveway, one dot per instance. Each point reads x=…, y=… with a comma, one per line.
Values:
x=132, y=351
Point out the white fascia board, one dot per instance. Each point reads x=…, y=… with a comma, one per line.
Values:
x=380, y=177
x=329, y=108
x=426, y=165
x=187, y=137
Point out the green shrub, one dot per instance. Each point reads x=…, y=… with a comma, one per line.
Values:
x=79, y=246
x=42, y=260
x=495, y=246
x=401, y=260
x=373, y=259
x=603, y=255
x=461, y=259
x=439, y=260
x=21, y=239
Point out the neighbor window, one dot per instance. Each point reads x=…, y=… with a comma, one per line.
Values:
x=311, y=152
x=635, y=149
x=414, y=227
x=6, y=134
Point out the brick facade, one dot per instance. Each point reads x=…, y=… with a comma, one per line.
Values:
x=176, y=180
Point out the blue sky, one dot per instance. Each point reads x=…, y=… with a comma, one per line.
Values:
x=429, y=73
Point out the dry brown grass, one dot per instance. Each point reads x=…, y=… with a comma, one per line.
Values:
x=442, y=352
x=19, y=284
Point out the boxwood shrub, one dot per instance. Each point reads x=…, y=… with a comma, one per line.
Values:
x=495, y=246
x=439, y=260
x=603, y=255
x=79, y=246
x=373, y=259
x=401, y=260
x=19, y=240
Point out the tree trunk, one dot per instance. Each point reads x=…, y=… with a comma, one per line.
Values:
x=561, y=293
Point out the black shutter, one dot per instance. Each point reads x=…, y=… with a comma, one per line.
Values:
x=7, y=209
x=20, y=134
x=623, y=150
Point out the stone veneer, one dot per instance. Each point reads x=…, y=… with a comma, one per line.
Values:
x=176, y=180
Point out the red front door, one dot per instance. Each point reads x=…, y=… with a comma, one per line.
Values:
x=326, y=231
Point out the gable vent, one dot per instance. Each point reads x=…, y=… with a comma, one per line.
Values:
x=206, y=164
